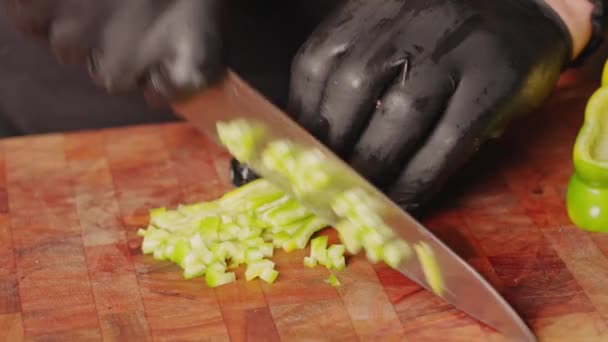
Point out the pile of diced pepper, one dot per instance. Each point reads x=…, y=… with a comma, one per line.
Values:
x=246, y=225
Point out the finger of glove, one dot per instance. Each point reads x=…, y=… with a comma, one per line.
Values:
x=120, y=62
x=403, y=116
x=73, y=38
x=31, y=16
x=456, y=137
x=357, y=83
x=77, y=29
x=315, y=59
x=189, y=48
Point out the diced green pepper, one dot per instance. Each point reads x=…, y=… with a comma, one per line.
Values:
x=303, y=235
x=177, y=248
x=256, y=268
x=348, y=234
x=280, y=238
x=310, y=262
x=318, y=249
x=194, y=270
x=169, y=220
x=216, y=275
x=395, y=252
x=335, y=255
x=333, y=280
x=269, y=275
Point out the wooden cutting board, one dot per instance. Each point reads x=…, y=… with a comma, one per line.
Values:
x=72, y=270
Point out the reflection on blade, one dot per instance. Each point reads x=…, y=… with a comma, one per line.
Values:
x=276, y=148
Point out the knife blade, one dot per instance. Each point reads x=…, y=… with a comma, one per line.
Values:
x=464, y=288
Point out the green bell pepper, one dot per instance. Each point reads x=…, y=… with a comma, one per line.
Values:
x=587, y=193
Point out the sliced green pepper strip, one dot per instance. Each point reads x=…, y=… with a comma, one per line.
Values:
x=241, y=137
x=587, y=193
x=280, y=238
x=316, y=176
x=250, y=197
x=289, y=212
x=348, y=234
x=335, y=256
x=209, y=228
x=194, y=270
x=169, y=220
x=216, y=275
x=310, y=262
x=177, y=248
x=269, y=275
x=430, y=267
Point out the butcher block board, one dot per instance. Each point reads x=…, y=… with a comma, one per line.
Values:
x=72, y=269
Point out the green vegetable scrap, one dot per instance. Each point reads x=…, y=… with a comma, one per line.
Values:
x=263, y=269
x=241, y=137
x=333, y=280
x=430, y=267
x=320, y=254
x=241, y=228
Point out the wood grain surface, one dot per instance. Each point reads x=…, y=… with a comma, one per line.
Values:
x=72, y=269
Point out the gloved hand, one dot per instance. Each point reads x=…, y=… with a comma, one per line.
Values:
x=408, y=90
x=165, y=48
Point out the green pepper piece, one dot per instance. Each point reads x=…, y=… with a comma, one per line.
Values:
x=333, y=280
x=241, y=137
x=587, y=194
x=430, y=267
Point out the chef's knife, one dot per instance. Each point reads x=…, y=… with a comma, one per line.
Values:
x=463, y=286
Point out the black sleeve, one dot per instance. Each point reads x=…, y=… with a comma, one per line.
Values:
x=599, y=22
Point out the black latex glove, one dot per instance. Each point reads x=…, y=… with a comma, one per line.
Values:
x=407, y=91
x=165, y=48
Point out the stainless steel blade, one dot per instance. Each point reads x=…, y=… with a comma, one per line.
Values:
x=464, y=287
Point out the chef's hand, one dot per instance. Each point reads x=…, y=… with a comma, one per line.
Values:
x=165, y=48
x=408, y=90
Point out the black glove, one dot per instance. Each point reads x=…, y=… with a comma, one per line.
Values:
x=165, y=48
x=407, y=91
